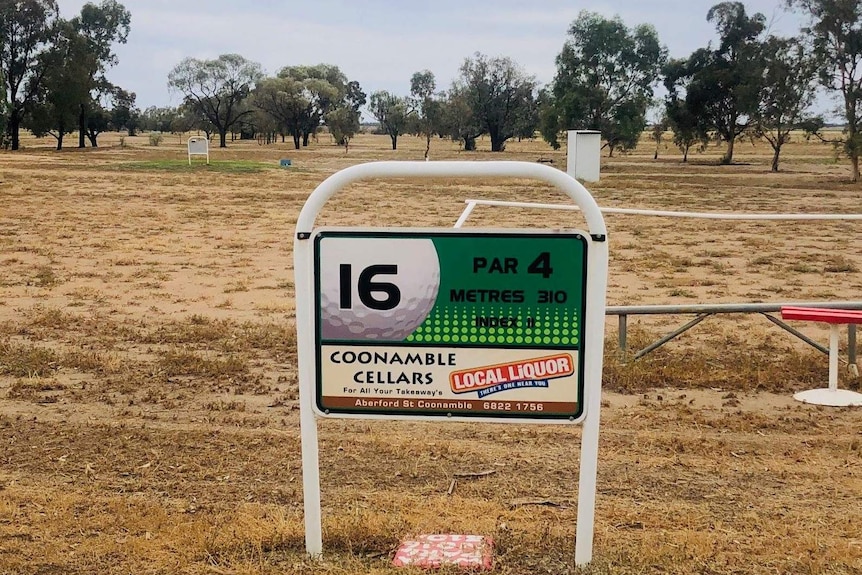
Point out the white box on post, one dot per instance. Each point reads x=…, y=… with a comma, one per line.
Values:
x=584, y=155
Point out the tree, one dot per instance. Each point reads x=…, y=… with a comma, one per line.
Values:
x=326, y=88
x=102, y=25
x=724, y=84
x=64, y=83
x=498, y=93
x=458, y=120
x=4, y=142
x=789, y=75
x=391, y=112
x=215, y=89
x=186, y=119
x=25, y=27
x=343, y=121
x=155, y=119
x=835, y=29
x=604, y=81
x=343, y=124
x=124, y=114
x=427, y=110
x=98, y=121
x=657, y=133
x=689, y=128
x=527, y=120
x=287, y=102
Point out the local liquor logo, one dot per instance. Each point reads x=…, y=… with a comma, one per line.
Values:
x=520, y=374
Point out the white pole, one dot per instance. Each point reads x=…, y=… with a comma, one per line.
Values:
x=594, y=337
x=833, y=357
x=302, y=265
x=465, y=214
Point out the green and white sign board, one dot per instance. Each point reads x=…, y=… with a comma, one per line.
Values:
x=443, y=323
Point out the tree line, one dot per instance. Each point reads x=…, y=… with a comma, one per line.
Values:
x=748, y=83
x=53, y=70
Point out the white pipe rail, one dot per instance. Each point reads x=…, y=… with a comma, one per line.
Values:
x=472, y=203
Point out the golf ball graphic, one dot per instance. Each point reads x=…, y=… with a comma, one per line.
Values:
x=400, y=274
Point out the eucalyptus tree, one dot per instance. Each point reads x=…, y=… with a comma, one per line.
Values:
x=499, y=93
x=392, y=112
x=724, y=83
x=788, y=91
x=102, y=25
x=427, y=109
x=25, y=30
x=343, y=123
x=216, y=89
x=835, y=30
x=288, y=102
x=124, y=114
x=689, y=128
x=605, y=77
x=3, y=112
x=326, y=89
x=458, y=120
x=62, y=86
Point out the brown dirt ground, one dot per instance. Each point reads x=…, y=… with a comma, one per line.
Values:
x=148, y=394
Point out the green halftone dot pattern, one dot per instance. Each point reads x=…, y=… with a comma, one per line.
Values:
x=549, y=327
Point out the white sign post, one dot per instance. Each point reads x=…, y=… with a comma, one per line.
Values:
x=584, y=155
x=462, y=325
x=199, y=146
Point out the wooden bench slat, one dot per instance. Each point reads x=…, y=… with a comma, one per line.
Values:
x=826, y=315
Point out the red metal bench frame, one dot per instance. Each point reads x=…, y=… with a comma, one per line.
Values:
x=835, y=317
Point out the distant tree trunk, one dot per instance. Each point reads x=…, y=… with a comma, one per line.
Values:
x=427, y=145
x=498, y=141
x=82, y=125
x=222, y=134
x=15, y=127
x=61, y=133
x=296, y=140
x=305, y=136
x=469, y=143
x=854, y=162
x=776, y=152
x=728, y=155
x=685, y=154
x=394, y=138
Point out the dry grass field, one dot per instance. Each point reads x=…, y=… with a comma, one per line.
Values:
x=148, y=393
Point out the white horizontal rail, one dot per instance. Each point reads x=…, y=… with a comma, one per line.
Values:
x=665, y=213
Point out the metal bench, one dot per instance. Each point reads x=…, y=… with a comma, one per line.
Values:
x=832, y=395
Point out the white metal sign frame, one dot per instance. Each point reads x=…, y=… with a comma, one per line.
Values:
x=199, y=146
x=597, y=270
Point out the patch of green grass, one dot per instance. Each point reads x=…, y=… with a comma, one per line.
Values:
x=222, y=166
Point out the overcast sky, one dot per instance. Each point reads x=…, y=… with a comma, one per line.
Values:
x=381, y=43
